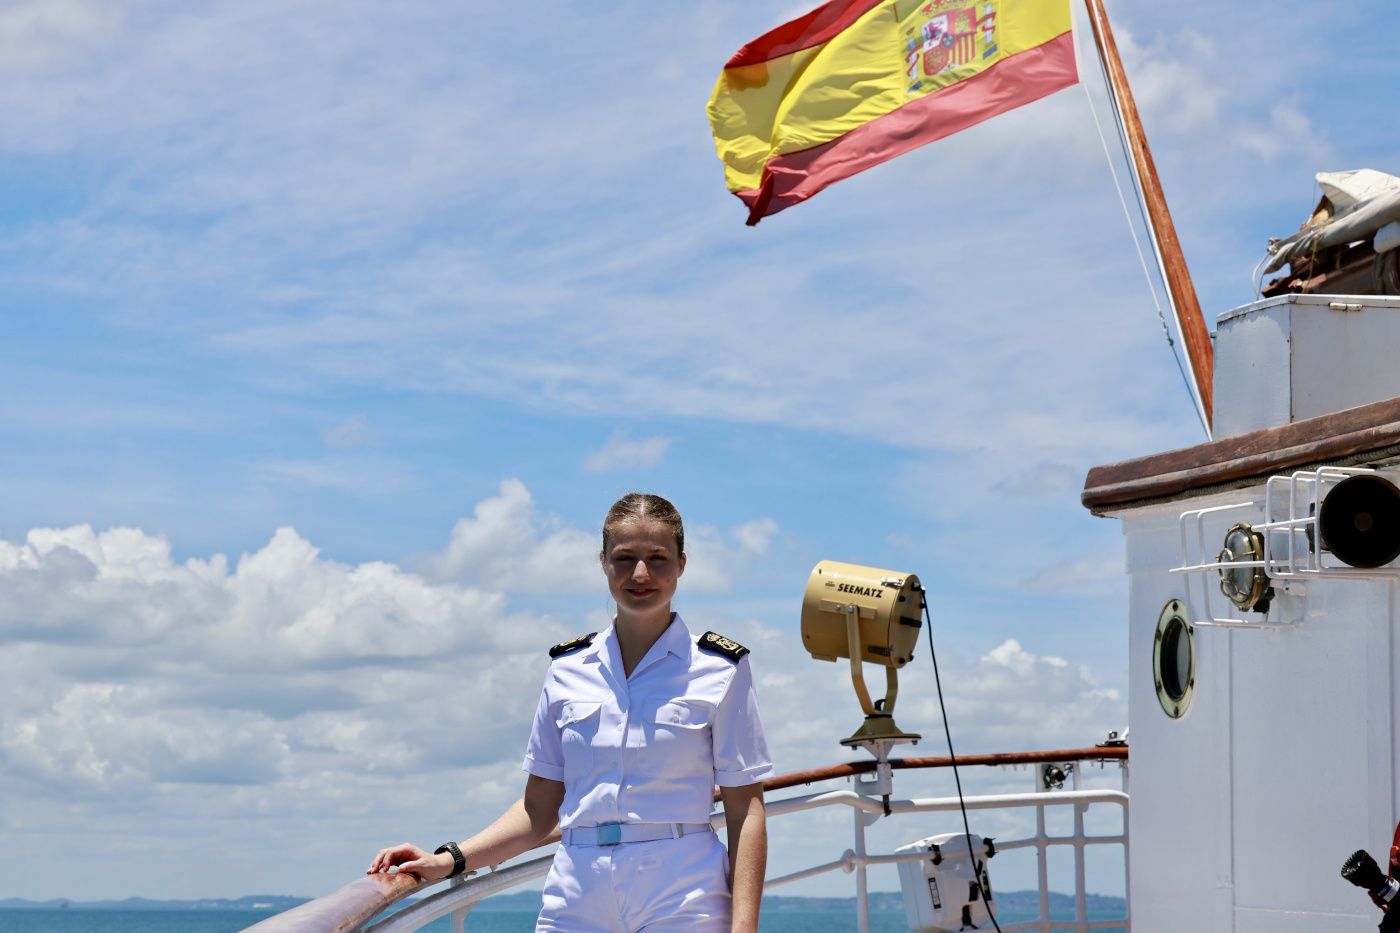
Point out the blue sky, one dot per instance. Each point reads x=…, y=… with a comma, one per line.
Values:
x=428, y=287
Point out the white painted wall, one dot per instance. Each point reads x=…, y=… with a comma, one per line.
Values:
x=1244, y=810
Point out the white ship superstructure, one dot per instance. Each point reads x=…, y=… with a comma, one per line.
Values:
x=1264, y=726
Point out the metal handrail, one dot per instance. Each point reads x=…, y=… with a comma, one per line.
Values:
x=459, y=898
x=354, y=907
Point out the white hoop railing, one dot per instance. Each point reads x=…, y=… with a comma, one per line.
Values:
x=868, y=803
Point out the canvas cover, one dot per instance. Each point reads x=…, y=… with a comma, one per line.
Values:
x=1356, y=205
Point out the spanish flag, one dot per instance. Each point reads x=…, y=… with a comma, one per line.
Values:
x=856, y=82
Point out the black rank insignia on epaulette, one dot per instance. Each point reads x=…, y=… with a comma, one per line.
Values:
x=573, y=644
x=720, y=645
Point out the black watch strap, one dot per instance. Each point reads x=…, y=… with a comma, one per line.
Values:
x=459, y=861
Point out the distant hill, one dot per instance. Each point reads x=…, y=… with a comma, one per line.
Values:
x=1019, y=902
x=277, y=902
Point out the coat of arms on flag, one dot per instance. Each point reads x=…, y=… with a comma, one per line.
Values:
x=943, y=35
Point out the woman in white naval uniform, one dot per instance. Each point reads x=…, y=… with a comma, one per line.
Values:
x=634, y=729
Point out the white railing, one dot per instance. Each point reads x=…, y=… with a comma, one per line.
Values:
x=869, y=804
x=870, y=801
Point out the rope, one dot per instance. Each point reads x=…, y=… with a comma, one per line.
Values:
x=1182, y=366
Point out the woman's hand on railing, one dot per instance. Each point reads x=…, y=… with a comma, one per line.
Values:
x=409, y=858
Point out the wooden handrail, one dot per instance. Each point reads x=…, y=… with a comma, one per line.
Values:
x=849, y=769
x=369, y=895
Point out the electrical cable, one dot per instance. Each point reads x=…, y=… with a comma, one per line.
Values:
x=977, y=867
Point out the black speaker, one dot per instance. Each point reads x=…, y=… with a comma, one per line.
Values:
x=1359, y=521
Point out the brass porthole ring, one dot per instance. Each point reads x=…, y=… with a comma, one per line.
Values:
x=1174, y=660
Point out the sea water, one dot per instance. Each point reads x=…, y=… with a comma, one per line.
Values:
x=77, y=920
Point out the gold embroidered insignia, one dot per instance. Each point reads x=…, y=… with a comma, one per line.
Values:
x=573, y=644
x=731, y=649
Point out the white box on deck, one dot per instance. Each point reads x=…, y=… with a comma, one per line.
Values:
x=1293, y=357
x=940, y=893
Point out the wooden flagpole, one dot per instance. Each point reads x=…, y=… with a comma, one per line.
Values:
x=1185, y=305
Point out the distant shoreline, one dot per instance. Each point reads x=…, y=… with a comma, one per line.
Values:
x=1017, y=901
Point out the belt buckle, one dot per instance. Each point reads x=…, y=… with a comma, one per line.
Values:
x=610, y=834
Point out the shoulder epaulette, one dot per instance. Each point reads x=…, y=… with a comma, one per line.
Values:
x=720, y=645
x=573, y=644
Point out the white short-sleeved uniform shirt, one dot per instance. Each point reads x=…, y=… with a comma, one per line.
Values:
x=649, y=748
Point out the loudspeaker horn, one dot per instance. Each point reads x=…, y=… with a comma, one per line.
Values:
x=1359, y=521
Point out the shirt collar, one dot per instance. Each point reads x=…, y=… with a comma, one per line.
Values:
x=675, y=640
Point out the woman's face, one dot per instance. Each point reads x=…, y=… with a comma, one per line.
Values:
x=642, y=566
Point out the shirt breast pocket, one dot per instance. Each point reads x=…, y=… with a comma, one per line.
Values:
x=578, y=727
x=679, y=736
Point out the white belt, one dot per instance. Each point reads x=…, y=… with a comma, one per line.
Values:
x=613, y=834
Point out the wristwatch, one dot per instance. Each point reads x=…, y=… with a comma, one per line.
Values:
x=459, y=861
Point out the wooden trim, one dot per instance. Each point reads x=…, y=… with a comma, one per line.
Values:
x=1184, y=300
x=1365, y=432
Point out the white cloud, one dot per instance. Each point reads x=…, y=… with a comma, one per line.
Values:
x=1043, y=479
x=354, y=431
x=620, y=452
x=283, y=605
x=359, y=475
x=1289, y=130
x=1012, y=695
x=36, y=34
x=109, y=736
x=716, y=556
x=133, y=684
x=755, y=537
x=507, y=543
x=1079, y=575
x=1175, y=78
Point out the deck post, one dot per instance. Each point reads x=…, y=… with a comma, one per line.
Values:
x=862, y=895
x=459, y=917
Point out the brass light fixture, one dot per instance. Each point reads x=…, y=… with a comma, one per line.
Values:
x=1245, y=586
x=865, y=614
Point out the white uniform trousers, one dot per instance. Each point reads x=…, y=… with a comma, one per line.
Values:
x=666, y=886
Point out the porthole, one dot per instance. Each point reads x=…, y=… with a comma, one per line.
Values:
x=1174, y=660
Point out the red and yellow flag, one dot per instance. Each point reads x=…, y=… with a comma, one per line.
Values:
x=856, y=82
